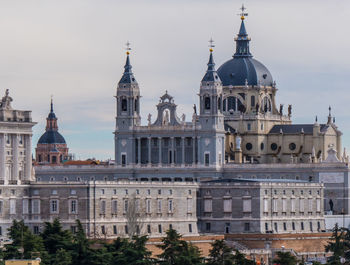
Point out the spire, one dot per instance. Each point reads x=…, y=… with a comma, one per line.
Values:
x=128, y=76
x=242, y=40
x=52, y=115
x=211, y=75
x=329, y=115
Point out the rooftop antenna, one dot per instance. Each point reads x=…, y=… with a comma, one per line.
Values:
x=128, y=49
x=211, y=44
x=243, y=14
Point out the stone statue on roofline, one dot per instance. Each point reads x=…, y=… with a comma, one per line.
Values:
x=6, y=101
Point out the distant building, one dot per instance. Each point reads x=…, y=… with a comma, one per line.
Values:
x=51, y=148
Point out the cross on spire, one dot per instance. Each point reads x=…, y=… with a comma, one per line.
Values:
x=128, y=49
x=211, y=44
x=243, y=14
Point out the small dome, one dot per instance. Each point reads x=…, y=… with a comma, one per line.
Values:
x=51, y=137
x=236, y=71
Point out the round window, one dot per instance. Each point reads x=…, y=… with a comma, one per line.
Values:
x=262, y=146
x=249, y=146
x=273, y=146
x=292, y=146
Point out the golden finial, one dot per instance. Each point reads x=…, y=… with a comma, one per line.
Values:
x=242, y=14
x=211, y=44
x=128, y=49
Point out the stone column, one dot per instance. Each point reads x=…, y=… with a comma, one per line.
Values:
x=172, y=151
x=160, y=150
x=194, y=150
x=149, y=150
x=183, y=150
x=15, y=157
x=139, y=151
x=3, y=158
x=199, y=150
x=28, y=158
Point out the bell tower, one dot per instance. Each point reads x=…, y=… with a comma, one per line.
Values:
x=128, y=98
x=211, y=118
x=128, y=114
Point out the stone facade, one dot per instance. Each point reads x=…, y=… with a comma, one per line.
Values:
x=257, y=206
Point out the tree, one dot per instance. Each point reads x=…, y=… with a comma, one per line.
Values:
x=62, y=257
x=134, y=216
x=54, y=237
x=24, y=243
x=240, y=259
x=285, y=258
x=81, y=246
x=177, y=251
x=337, y=245
x=220, y=254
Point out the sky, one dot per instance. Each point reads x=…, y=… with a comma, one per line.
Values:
x=75, y=51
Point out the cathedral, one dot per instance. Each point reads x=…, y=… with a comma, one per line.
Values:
x=238, y=121
x=237, y=166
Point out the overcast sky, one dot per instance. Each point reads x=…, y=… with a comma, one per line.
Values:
x=74, y=50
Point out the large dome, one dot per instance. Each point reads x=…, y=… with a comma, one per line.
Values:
x=236, y=71
x=51, y=137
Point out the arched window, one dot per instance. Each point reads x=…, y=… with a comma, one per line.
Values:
x=233, y=103
x=266, y=104
x=207, y=102
x=136, y=102
x=124, y=104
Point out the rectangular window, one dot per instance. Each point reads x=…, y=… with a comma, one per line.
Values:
x=54, y=206
x=73, y=206
x=170, y=226
x=36, y=206
x=284, y=226
x=252, y=101
x=103, y=207
x=266, y=227
x=159, y=229
x=114, y=206
x=123, y=160
x=318, y=226
x=1, y=207
x=208, y=206
x=246, y=227
x=292, y=205
x=266, y=205
x=148, y=206
x=115, y=229
x=25, y=205
x=126, y=229
x=311, y=228
x=189, y=205
x=310, y=205
x=284, y=205
x=0, y=231
x=276, y=227
x=170, y=206
x=148, y=229
x=103, y=230
x=73, y=229
x=190, y=228
x=206, y=159
x=293, y=226
x=207, y=227
x=228, y=205
x=159, y=205
x=318, y=205
x=36, y=229
x=12, y=206
x=126, y=206
x=302, y=225
x=301, y=205
x=275, y=205
x=247, y=205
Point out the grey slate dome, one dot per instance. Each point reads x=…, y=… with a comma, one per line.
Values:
x=243, y=69
x=51, y=137
x=236, y=71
